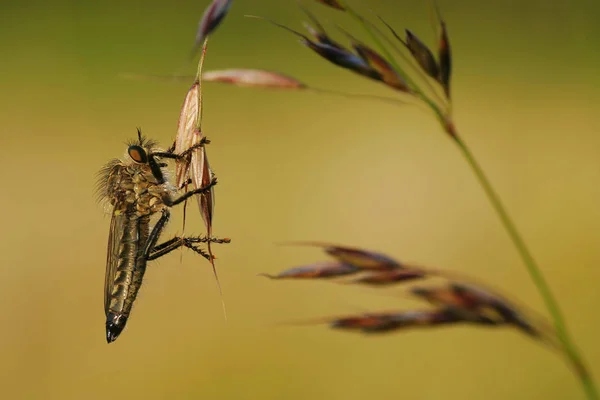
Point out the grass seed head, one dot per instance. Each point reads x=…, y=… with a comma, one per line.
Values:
x=213, y=16
x=392, y=277
x=253, y=78
x=422, y=55
x=323, y=269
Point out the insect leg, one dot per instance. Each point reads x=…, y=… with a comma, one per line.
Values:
x=173, y=244
x=184, y=184
x=200, y=239
x=199, y=251
x=171, y=202
x=168, y=244
x=156, y=231
x=183, y=154
x=176, y=242
x=185, y=241
x=155, y=166
x=164, y=248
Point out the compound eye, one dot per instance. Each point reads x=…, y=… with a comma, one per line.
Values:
x=138, y=154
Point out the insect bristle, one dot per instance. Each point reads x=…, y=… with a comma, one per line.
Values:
x=142, y=141
x=100, y=189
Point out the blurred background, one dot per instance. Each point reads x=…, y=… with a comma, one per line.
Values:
x=295, y=166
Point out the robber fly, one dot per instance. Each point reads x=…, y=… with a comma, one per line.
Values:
x=137, y=189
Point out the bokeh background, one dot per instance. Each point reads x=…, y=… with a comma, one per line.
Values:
x=294, y=166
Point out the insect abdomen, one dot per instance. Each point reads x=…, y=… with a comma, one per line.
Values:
x=143, y=229
x=128, y=275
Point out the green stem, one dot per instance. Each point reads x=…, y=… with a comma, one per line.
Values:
x=535, y=272
x=199, y=81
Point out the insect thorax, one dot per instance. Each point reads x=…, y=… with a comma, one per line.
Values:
x=133, y=189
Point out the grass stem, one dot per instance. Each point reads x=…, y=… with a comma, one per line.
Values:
x=575, y=359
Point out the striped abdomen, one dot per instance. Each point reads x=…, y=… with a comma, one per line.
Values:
x=129, y=272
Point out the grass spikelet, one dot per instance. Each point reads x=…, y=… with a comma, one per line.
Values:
x=336, y=55
x=195, y=168
x=453, y=301
x=212, y=17
x=388, y=278
x=422, y=55
x=186, y=135
x=263, y=79
x=363, y=259
x=253, y=78
x=388, y=74
x=325, y=269
x=377, y=323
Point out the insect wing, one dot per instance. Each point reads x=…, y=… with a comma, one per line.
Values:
x=117, y=224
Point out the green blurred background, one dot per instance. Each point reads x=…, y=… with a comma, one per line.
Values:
x=294, y=166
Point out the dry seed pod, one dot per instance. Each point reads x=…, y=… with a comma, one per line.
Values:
x=189, y=133
x=201, y=175
x=206, y=201
x=422, y=55
x=326, y=269
x=186, y=131
x=253, y=78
